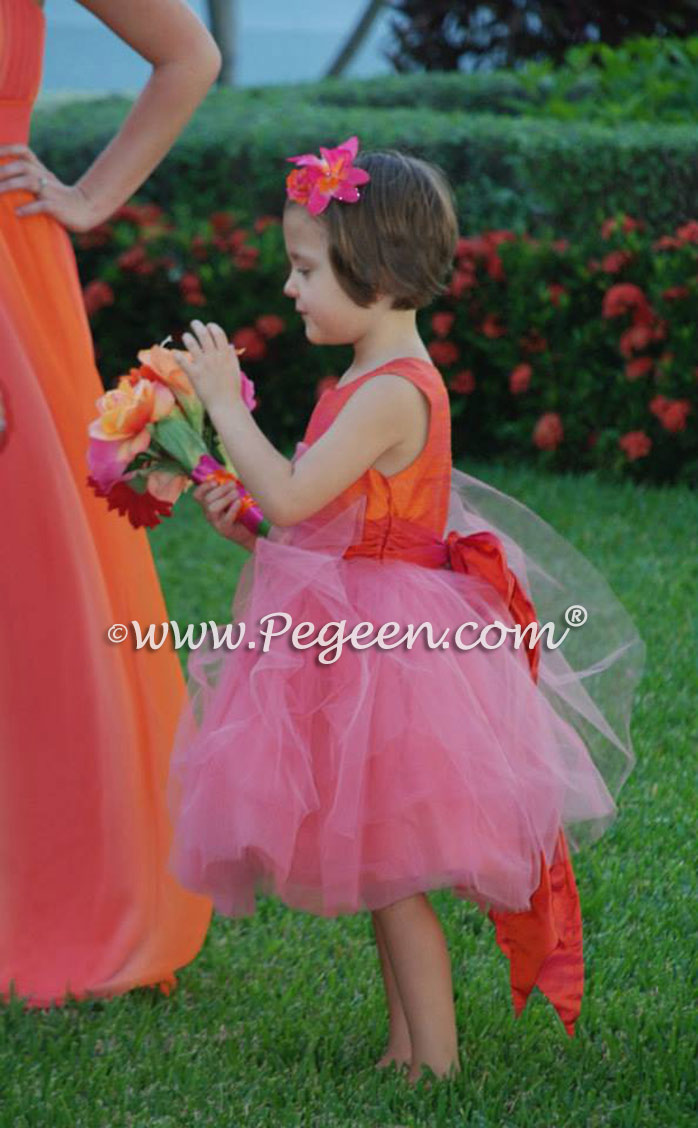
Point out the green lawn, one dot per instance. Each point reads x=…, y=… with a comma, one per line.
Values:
x=279, y=1019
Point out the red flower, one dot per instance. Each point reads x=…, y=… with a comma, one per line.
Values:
x=141, y=215
x=635, y=339
x=556, y=292
x=666, y=243
x=592, y=439
x=671, y=413
x=492, y=326
x=142, y=508
x=627, y=224
x=135, y=260
x=622, y=298
x=675, y=293
x=270, y=325
x=443, y=352
x=246, y=258
x=442, y=323
x=520, y=379
x=689, y=232
x=495, y=267
x=265, y=221
x=463, y=382
x=96, y=295
x=615, y=261
x=325, y=385
x=636, y=444
x=98, y=236
x=222, y=222
x=548, y=432
x=251, y=340
x=190, y=289
x=463, y=279
x=638, y=367
x=560, y=245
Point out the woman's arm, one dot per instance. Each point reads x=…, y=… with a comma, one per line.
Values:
x=185, y=61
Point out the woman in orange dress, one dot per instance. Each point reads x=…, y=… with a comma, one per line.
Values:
x=87, y=905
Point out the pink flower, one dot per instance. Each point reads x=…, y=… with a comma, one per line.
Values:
x=331, y=175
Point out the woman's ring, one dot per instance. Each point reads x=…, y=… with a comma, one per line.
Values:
x=43, y=181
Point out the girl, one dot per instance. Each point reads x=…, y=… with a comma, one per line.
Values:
x=360, y=780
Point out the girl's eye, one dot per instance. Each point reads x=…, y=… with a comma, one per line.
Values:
x=303, y=271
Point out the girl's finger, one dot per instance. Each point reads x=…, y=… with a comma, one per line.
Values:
x=193, y=346
x=205, y=339
x=220, y=337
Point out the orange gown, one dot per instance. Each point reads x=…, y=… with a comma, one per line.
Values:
x=87, y=905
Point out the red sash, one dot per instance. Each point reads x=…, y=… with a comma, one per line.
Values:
x=544, y=943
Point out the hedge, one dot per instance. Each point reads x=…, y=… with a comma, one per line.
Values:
x=520, y=173
x=575, y=356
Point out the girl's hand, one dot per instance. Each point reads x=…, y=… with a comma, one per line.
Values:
x=221, y=504
x=212, y=365
x=69, y=205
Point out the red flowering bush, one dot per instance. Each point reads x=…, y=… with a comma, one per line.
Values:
x=580, y=355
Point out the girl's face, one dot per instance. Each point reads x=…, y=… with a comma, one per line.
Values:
x=330, y=316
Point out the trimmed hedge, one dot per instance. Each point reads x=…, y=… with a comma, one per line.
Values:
x=519, y=173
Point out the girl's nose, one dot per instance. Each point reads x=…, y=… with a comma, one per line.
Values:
x=289, y=289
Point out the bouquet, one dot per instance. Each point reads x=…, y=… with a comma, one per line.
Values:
x=152, y=439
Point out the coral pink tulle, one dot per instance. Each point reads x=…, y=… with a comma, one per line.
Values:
x=349, y=784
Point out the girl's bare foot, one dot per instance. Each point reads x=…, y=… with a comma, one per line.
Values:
x=400, y=1054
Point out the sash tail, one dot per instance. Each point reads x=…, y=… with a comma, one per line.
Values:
x=544, y=944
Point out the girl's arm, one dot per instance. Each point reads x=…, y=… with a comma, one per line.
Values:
x=185, y=61
x=377, y=417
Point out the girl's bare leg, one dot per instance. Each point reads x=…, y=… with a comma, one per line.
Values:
x=399, y=1048
x=419, y=957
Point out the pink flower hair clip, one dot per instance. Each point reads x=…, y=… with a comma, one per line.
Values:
x=331, y=175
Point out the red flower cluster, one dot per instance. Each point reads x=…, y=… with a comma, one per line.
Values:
x=190, y=289
x=548, y=432
x=252, y=341
x=635, y=444
x=671, y=413
x=463, y=382
x=443, y=353
x=96, y=295
x=520, y=379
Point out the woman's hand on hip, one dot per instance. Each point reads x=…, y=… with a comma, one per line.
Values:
x=22, y=171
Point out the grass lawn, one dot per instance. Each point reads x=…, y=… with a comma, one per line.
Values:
x=280, y=1018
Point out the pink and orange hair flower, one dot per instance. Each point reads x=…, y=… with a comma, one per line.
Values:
x=332, y=175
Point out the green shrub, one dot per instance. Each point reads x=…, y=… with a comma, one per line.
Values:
x=578, y=356
x=524, y=174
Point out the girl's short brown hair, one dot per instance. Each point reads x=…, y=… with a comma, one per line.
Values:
x=400, y=238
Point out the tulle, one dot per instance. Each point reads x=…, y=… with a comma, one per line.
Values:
x=344, y=785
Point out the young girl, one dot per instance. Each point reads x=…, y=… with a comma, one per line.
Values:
x=345, y=776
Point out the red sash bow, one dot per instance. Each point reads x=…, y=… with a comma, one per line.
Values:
x=544, y=943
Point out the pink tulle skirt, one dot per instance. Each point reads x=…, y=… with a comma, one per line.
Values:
x=345, y=783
